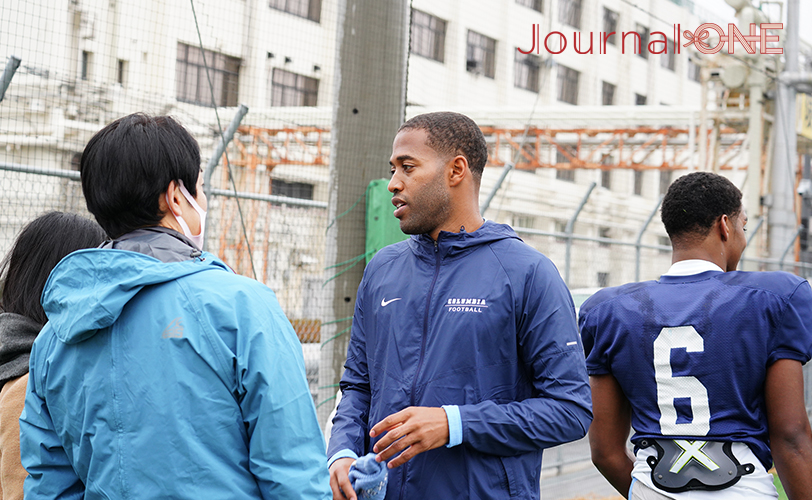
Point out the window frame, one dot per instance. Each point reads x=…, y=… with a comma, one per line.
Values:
x=570, y=12
x=281, y=91
x=481, y=50
x=527, y=71
x=224, y=71
x=609, y=18
x=567, y=75
x=435, y=28
x=311, y=12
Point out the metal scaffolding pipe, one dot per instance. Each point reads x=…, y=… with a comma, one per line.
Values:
x=8, y=73
x=638, y=242
x=791, y=244
x=227, y=136
x=570, y=226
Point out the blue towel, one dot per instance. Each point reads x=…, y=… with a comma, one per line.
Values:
x=369, y=478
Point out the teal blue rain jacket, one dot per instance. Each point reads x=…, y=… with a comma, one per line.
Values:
x=167, y=380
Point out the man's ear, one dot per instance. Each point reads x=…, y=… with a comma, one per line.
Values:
x=171, y=199
x=458, y=170
x=724, y=227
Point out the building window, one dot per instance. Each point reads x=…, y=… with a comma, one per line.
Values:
x=608, y=93
x=308, y=9
x=639, y=100
x=643, y=32
x=604, y=233
x=525, y=221
x=533, y=4
x=567, y=84
x=193, y=84
x=121, y=73
x=300, y=190
x=526, y=71
x=693, y=70
x=481, y=54
x=291, y=89
x=610, y=25
x=603, y=280
x=564, y=174
x=638, y=182
x=87, y=62
x=664, y=241
x=569, y=12
x=427, y=36
x=560, y=228
x=669, y=58
x=665, y=180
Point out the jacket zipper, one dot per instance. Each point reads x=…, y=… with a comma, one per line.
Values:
x=423, y=342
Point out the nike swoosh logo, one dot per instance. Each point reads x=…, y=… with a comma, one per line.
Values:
x=385, y=302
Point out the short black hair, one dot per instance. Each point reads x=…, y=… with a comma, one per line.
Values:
x=39, y=247
x=128, y=165
x=695, y=201
x=453, y=134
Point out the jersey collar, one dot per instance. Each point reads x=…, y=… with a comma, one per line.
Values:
x=691, y=266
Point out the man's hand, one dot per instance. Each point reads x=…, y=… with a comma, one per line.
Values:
x=339, y=480
x=415, y=430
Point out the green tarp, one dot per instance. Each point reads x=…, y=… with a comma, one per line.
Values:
x=382, y=227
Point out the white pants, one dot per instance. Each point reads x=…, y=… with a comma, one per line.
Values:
x=640, y=491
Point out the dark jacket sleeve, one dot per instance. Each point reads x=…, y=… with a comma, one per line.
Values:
x=550, y=349
x=350, y=425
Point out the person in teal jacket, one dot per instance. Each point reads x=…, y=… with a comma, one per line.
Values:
x=161, y=373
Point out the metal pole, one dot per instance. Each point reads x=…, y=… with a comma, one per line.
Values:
x=791, y=244
x=568, y=230
x=505, y=171
x=639, y=240
x=218, y=152
x=782, y=214
x=8, y=73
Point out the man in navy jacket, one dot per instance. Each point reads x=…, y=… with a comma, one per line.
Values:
x=465, y=360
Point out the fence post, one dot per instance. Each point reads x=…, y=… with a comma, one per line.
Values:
x=639, y=239
x=753, y=233
x=218, y=152
x=8, y=73
x=791, y=244
x=568, y=230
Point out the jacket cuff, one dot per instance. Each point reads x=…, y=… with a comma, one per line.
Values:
x=345, y=453
x=452, y=412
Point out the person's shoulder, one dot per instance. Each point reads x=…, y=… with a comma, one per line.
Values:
x=606, y=296
x=388, y=255
x=779, y=283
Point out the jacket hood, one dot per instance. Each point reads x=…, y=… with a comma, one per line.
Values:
x=455, y=244
x=88, y=289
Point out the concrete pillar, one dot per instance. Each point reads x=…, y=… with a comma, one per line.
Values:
x=372, y=49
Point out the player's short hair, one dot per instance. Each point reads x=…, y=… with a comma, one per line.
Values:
x=128, y=165
x=452, y=134
x=695, y=201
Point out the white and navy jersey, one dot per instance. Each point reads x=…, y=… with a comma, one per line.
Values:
x=691, y=352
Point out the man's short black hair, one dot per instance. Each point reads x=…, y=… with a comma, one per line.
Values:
x=695, y=201
x=128, y=165
x=452, y=134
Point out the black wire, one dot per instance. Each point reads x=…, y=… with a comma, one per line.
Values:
x=223, y=138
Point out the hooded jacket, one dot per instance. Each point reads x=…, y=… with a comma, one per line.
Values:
x=174, y=379
x=480, y=321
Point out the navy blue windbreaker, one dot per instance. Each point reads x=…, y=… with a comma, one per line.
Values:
x=480, y=320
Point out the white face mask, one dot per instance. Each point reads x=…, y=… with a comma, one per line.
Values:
x=198, y=239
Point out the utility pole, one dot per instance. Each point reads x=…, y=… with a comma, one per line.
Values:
x=370, y=82
x=785, y=156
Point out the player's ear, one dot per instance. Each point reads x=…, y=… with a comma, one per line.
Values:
x=458, y=169
x=724, y=227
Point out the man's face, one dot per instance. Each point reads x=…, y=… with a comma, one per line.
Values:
x=737, y=241
x=419, y=192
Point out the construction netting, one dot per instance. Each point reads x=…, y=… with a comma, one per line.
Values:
x=314, y=91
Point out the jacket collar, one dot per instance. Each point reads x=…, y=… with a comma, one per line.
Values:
x=452, y=245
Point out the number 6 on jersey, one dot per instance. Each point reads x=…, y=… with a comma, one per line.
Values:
x=670, y=387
